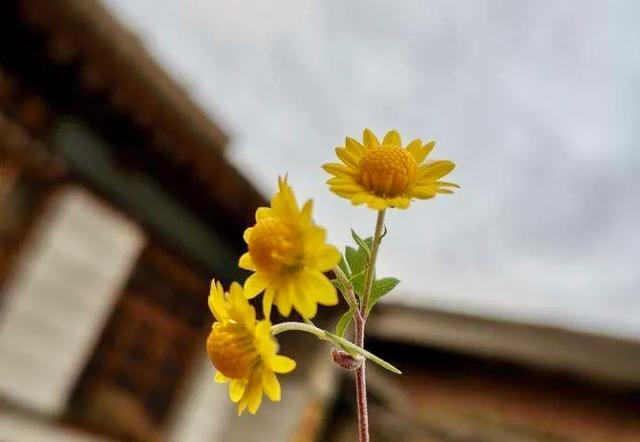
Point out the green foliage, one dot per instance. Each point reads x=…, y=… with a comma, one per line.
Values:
x=354, y=264
x=365, y=245
x=380, y=288
x=344, y=321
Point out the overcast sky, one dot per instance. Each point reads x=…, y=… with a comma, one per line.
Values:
x=537, y=102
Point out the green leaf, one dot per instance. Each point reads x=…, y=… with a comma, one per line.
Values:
x=343, y=322
x=344, y=267
x=353, y=350
x=357, y=260
x=361, y=243
x=342, y=289
x=380, y=288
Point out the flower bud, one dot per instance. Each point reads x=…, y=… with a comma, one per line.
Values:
x=346, y=361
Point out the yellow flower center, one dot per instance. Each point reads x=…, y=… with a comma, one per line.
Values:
x=388, y=170
x=275, y=246
x=230, y=348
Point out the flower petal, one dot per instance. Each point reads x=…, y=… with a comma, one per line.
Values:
x=271, y=385
x=326, y=257
x=354, y=146
x=392, y=138
x=284, y=301
x=247, y=234
x=320, y=288
x=267, y=301
x=220, y=378
x=339, y=170
x=255, y=284
x=245, y=262
x=346, y=157
x=436, y=170
x=254, y=397
x=282, y=364
x=370, y=139
x=263, y=212
x=401, y=202
x=237, y=388
x=424, y=192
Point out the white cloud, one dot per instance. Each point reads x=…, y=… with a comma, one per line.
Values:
x=536, y=102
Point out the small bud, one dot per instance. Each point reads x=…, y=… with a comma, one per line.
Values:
x=346, y=361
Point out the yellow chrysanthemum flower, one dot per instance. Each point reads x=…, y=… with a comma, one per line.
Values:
x=289, y=256
x=243, y=350
x=386, y=174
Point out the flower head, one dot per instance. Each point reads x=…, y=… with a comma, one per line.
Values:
x=243, y=350
x=386, y=174
x=288, y=255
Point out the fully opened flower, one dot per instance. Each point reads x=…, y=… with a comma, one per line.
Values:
x=243, y=350
x=386, y=174
x=288, y=255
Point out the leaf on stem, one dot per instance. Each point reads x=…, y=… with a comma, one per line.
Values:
x=380, y=288
x=344, y=321
x=358, y=261
x=364, y=245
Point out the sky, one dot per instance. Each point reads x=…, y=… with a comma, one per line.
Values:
x=538, y=103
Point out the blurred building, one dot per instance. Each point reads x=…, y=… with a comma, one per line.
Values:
x=468, y=378
x=117, y=206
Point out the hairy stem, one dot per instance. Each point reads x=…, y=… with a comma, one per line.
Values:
x=360, y=321
x=371, y=268
x=361, y=385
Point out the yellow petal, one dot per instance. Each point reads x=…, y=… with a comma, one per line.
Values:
x=246, y=262
x=254, y=397
x=217, y=303
x=346, y=188
x=429, y=147
x=361, y=198
x=377, y=203
x=418, y=151
x=370, y=139
x=247, y=234
x=282, y=364
x=392, y=138
x=284, y=301
x=354, y=146
x=237, y=388
x=255, y=284
x=346, y=157
x=320, y=288
x=436, y=170
x=267, y=301
x=271, y=385
x=401, y=202
x=424, y=192
x=339, y=170
x=263, y=212
x=307, y=210
x=220, y=378
x=326, y=258
x=242, y=405
x=304, y=305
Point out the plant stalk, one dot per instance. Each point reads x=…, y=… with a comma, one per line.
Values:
x=360, y=321
x=371, y=268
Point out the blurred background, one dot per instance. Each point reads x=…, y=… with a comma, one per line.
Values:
x=137, y=138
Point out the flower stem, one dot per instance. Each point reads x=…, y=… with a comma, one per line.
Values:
x=360, y=321
x=371, y=268
x=297, y=326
